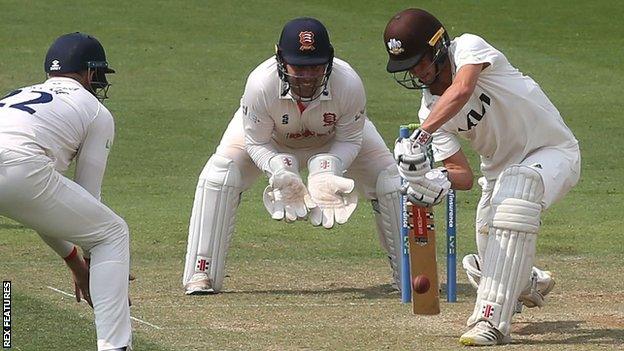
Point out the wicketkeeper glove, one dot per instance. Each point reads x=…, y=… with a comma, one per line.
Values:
x=331, y=192
x=286, y=197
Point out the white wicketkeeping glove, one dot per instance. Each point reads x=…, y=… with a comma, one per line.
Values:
x=286, y=197
x=411, y=155
x=331, y=192
x=428, y=190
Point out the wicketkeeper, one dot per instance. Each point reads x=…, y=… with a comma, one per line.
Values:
x=529, y=158
x=301, y=107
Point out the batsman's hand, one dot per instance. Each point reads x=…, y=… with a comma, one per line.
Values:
x=286, y=197
x=412, y=156
x=333, y=194
x=428, y=190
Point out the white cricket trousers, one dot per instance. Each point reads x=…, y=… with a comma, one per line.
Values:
x=33, y=193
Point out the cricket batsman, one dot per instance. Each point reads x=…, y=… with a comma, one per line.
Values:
x=529, y=158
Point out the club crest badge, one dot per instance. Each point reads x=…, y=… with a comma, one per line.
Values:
x=395, y=46
x=306, y=39
x=329, y=119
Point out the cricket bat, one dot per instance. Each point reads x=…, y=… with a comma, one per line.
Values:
x=423, y=263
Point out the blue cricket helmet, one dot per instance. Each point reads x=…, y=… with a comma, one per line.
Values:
x=77, y=52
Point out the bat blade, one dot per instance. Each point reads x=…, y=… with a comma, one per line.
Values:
x=422, y=253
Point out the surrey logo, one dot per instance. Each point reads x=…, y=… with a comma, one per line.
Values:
x=55, y=66
x=306, y=39
x=394, y=46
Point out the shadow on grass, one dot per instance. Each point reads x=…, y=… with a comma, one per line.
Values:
x=580, y=334
x=377, y=292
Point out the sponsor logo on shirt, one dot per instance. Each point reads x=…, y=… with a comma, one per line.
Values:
x=473, y=117
x=285, y=119
x=306, y=134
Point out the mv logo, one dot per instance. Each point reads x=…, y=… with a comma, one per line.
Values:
x=473, y=117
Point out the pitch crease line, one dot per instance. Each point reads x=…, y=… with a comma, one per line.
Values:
x=133, y=318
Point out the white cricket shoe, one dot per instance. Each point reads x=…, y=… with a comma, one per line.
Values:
x=542, y=283
x=484, y=334
x=199, y=285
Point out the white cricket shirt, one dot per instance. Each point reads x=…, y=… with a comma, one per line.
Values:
x=62, y=120
x=336, y=117
x=507, y=117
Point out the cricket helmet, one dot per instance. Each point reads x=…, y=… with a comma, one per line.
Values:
x=77, y=52
x=304, y=41
x=410, y=35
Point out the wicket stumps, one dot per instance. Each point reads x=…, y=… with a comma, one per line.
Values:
x=451, y=239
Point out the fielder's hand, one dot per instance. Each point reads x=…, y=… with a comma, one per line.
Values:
x=332, y=193
x=286, y=197
x=429, y=189
x=80, y=274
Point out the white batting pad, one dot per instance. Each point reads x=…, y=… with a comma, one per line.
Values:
x=387, y=209
x=511, y=246
x=212, y=220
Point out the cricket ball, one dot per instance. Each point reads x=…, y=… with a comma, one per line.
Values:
x=421, y=284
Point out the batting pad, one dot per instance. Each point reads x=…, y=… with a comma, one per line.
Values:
x=387, y=209
x=212, y=220
x=511, y=245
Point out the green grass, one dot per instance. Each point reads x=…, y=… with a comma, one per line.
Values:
x=181, y=71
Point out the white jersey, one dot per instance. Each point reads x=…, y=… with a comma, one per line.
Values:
x=336, y=117
x=507, y=117
x=62, y=120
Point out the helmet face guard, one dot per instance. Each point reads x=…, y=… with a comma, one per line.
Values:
x=289, y=80
x=99, y=85
x=304, y=42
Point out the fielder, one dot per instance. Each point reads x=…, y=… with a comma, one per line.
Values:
x=43, y=128
x=529, y=158
x=301, y=107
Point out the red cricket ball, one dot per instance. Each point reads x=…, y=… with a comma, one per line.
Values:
x=421, y=284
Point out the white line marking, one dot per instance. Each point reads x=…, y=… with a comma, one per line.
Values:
x=133, y=318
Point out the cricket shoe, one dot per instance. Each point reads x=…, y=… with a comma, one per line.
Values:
x=484, y=334
x=542, y=283
x=199, y=285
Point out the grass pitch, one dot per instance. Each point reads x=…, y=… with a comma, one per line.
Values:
x=181, y=71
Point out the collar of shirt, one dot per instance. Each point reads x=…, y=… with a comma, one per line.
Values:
x=64, y=80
